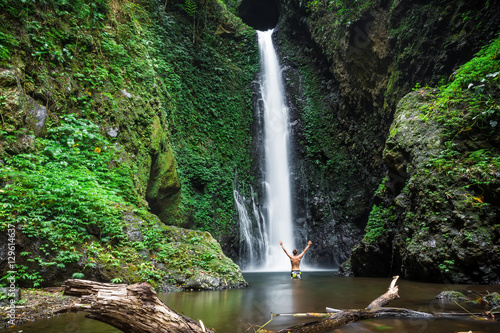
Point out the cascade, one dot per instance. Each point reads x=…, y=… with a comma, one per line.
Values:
x=277, y=225
x=253, y=240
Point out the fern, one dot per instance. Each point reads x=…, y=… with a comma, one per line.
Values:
x=190, y=7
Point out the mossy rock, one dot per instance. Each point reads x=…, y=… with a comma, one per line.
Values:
x=452, y=296
x=493, y=299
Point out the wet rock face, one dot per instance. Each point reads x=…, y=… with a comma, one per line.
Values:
x=429, y=230
x=334, y=146
x=344, y=80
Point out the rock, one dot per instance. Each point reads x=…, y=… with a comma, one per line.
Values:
x=133, y=230
x=163, y=183
x=493, y=299
x=38, y=114
x=435, y=234
x=7, y=78
x=201, y=281
x=113, y=131
x=7, y=293
x=452, y=296
x=126, y=93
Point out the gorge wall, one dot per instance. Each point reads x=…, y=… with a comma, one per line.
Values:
x=122, y=124
x=347, y=67
x=126, y=122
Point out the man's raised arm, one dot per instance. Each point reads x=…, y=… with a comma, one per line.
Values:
x=307, y=248
x=281, y=243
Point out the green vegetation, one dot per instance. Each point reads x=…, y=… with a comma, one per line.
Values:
x=469, y=110
x=344, y=10
x=330, y=157
x=447, y=206
x=122, y=84
x=217, y=116
x=68, y=189
x=379, y=221
x=329, y=18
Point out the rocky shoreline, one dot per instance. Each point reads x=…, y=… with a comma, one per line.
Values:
x=35, y=304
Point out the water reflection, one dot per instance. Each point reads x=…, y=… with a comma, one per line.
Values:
x=276, y=293
x=235, y=311
x=67, y=323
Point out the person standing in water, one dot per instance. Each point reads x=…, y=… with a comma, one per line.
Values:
x=295, y=260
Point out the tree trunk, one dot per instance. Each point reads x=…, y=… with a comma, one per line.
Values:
x=375, y=309
x=132, y=309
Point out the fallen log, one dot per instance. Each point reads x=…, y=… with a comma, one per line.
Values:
x=335, y=318
x=130, y=308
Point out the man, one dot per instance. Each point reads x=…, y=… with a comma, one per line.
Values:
x=295, y=260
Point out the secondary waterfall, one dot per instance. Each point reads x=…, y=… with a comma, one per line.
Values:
x=263, y=251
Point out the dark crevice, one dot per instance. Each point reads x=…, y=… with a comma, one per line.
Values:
x=260, y=14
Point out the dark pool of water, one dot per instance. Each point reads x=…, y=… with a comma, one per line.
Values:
x=235, y=311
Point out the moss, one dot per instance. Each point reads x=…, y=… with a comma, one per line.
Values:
x=444, y=165
x=379, y=222
x=452, y=296
x=493, y=299
x=154, y=85
x=157, y=136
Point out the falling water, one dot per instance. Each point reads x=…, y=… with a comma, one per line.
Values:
x=278, y=201
x=253, y=240
x=277, y=226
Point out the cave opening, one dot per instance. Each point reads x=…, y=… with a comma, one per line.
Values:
x=260, y=14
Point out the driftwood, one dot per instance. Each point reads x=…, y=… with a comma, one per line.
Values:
x=130, y=308
x=389, y=296
x=375, y=309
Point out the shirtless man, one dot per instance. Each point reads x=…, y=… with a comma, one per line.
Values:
x=295, y=260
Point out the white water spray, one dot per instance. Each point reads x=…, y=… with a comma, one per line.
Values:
x=252, y=236
x=277, y=183
x=262, y=230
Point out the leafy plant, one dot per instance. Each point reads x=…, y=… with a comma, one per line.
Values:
x=119, y=67
x=190, y=7
x=379, y=220
x=446, y=266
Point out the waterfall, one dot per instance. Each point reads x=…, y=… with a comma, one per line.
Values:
x=253, y=240
x=277, y=173
x=260, y=236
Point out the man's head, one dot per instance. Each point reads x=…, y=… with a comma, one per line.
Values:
x=295, y=252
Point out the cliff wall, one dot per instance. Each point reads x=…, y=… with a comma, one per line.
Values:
x=113, y=110
x=348, y=65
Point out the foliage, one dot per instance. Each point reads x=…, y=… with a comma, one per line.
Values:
x=468, y=109
x=445, y=139
x=379, y=221
x=324, y=152
x=343, y=9
x=211, y=124
x=328, y=18
x=48, y=193
x=118, y=65
x=190, y=7
x=470, y=100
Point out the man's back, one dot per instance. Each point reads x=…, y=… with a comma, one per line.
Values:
x=295, y=260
